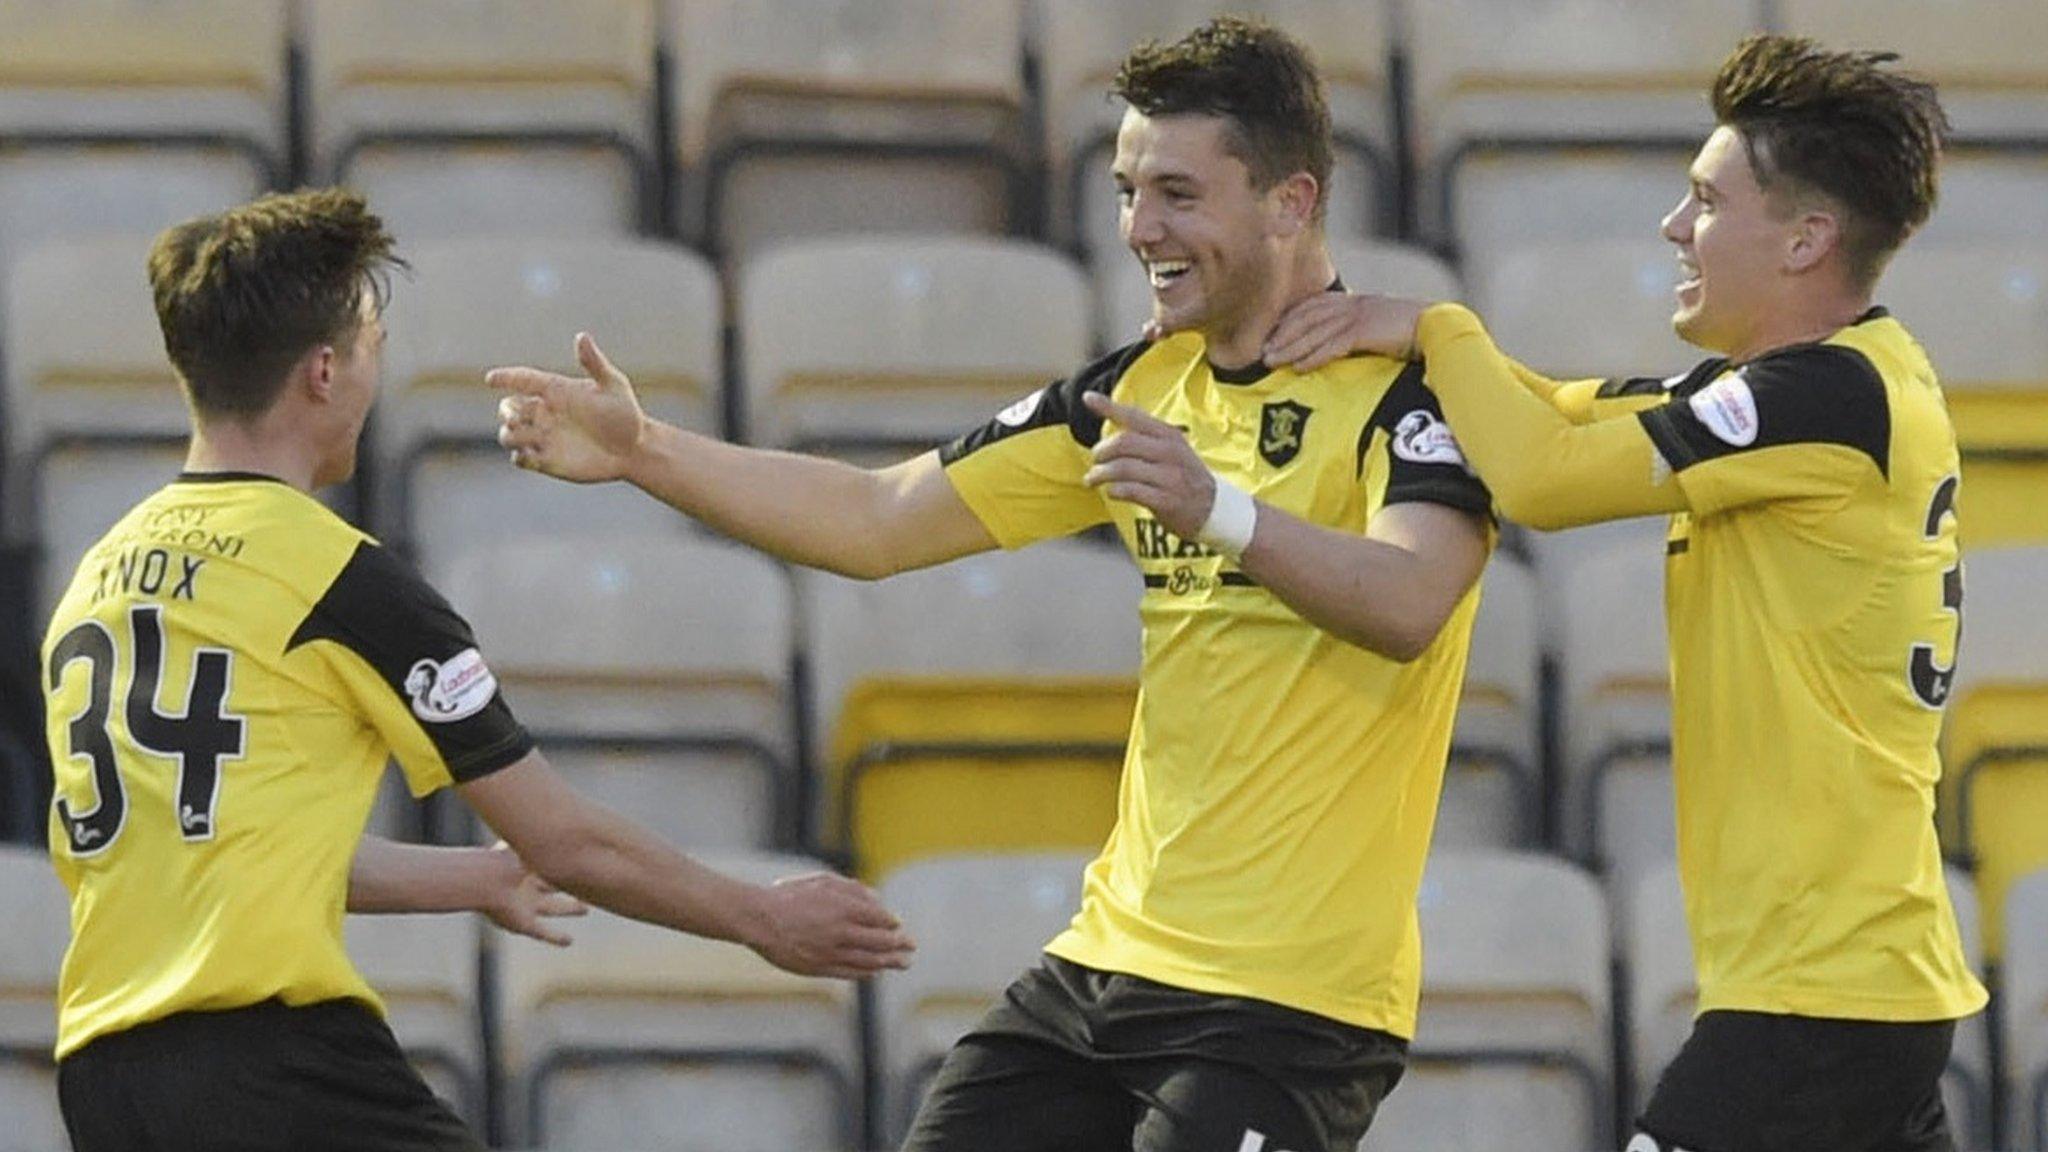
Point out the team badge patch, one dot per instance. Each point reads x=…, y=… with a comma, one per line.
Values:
x=1281, y=427
x=449, y=690
x=1421, y=438
x=1728, y=408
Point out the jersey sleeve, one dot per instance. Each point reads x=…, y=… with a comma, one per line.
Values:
x=1810, y=421
x=1020, y=473
x=413, y=669
x=1424, y=462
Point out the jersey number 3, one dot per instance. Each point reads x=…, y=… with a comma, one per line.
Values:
x=1931, y=682
x=204, y=737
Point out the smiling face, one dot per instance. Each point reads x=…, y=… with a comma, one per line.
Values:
x=1190, y=213
x=1736, y=245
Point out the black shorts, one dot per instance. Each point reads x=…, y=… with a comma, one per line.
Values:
x=1077, y=1060
x=1756, y=1082
x=265, y=1078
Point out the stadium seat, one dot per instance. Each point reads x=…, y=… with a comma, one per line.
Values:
x=120, y=115
x=1617, y=709
x=472, y=304
x=463, y=118
x=1995, y=744
x=1083, y=41
x=1528, y=78
x=425, y=970
x=1983, y=54
x=1574, y=308
x=1124, y=296
x=2025, y=1012
x=37, y=912
x=978, y=706
x=95, y=419
x=1662, y=995
x=665, y=692
x=638, y=1037
x=1493, y=784
x=1981, y=311
x=888, y=345
x=798, y=119
x=979, y=921
x=1512, y=1048
x=1507, y=200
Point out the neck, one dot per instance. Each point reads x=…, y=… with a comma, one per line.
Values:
x=1801, y=321
x=227, y=446
x=1306, y=273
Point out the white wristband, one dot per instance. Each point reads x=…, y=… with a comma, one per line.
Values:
x=1232, y=519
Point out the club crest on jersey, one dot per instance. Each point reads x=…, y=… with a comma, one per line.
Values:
x=1728, y=408
x=452, y=689
x=1281, y=427
x=1421, y=438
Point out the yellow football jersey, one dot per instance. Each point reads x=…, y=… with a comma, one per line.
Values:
x=1281, y=785
x=1813, y=590
x=226, y=677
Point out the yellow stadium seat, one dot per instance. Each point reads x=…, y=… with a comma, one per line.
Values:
x=927, y=766
x=982, y=705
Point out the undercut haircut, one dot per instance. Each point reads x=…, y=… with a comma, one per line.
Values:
x=242, y=295
x=1258, y=79
x=1864, y=137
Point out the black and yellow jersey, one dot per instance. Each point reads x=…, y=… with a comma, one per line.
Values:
x=1280, y=785
x=226, y=678
x=1813, y=588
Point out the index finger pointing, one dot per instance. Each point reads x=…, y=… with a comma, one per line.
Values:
x=1123, y=414
x=524, y=381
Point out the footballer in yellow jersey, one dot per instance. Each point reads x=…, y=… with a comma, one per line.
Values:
x=1280, y=784
x=227, y=675
x=1813, y=592
x=1242, y=972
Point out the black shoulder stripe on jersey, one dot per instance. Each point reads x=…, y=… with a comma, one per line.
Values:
x=1406, y=412
x=1057, y=403
x=1618, y=387
x=380, y=609
x=1807, y=394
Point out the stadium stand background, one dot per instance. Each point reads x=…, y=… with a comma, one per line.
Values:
x=859, y=226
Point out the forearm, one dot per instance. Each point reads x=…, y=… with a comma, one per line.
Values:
x=387, y=876
x=617, y=865
x=808, y=510
x=1544, y=470
x=1381, y=595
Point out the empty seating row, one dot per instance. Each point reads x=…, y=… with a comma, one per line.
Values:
x=637, y=1037
x=747, y=120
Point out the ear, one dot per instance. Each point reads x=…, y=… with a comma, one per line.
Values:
x=1816, y=234
x=1293, y=203
x=315, y=372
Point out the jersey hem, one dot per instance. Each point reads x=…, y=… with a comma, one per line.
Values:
x=1828, y=1005
x=1382, y=1019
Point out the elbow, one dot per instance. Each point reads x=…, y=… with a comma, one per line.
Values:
x=1409, y=644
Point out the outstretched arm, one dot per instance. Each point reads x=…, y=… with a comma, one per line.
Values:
x=1545, y=470
x=808, y=510
x=387, y=876
x=819, y=924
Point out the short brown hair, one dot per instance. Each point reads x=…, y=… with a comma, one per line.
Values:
x=242, y=295
x=1254, y=76
x=1866, y=137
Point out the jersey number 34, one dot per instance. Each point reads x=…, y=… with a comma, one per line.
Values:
x=201, y=739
